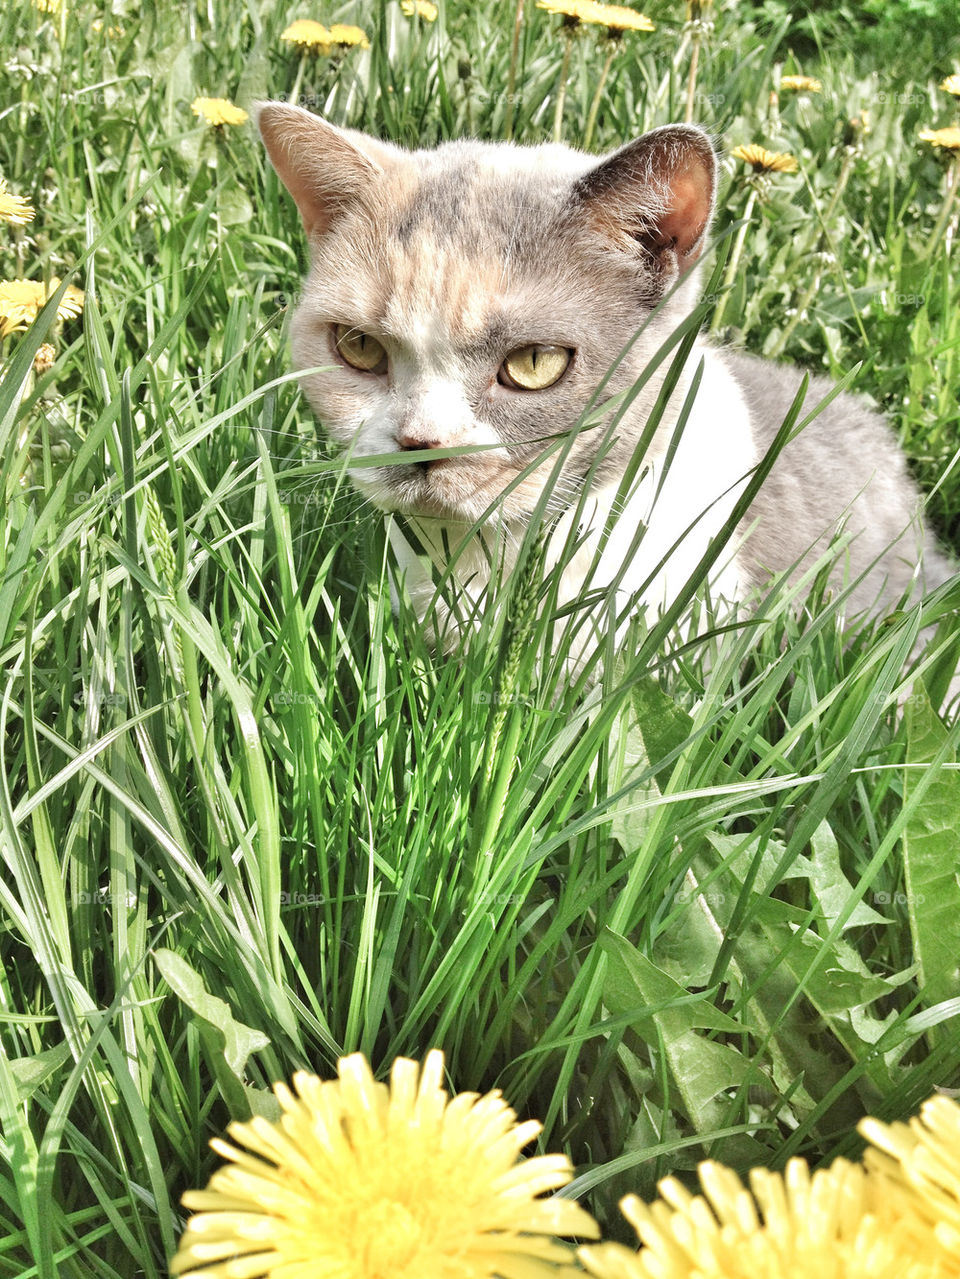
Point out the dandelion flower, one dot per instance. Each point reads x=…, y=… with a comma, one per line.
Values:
x=218, y=111
x=615, y=17
x=789, y=1225
x=800, y=84
x=361, y=1180
x=573, y=10
x=343, y=33
x=422, y=8
x=21, y=301
x=951, y=85
x=918, y=1167
x=14, y=208
x=948, y=138
x=308, y=35
x=763, y=161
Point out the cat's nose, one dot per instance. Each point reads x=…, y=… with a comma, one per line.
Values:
x=413, y=438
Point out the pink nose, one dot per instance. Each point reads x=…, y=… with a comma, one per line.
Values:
x=411, y=438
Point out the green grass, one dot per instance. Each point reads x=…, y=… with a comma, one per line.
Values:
x=706, y=905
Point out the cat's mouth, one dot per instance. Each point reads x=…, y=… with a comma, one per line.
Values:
x=449, y=489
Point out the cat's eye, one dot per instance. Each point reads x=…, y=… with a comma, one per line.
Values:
x=360, y=350
x=534, y=368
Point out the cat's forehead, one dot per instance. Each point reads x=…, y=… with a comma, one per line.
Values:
x=487, y=187
x=464, y=236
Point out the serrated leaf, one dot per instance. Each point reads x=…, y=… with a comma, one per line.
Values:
x=931, y=854
x=700, y=1067
x=634, y=983
x=228, y=1041
x=662, y=724
x=262, y=1102
x=830, y=887
x=740, y=855
x=31, y=1072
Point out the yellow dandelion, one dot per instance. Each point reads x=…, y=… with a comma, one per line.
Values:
x=422, y=8
x=948, y=138
x=343, y=33
x=364, y=1180
x=951, y=85
x=21, y=301
x=918, y=1167
x=572, y=10
x=789, y=1225
x=763, y=161
x=218, y=111
x=800, y=84
x=615, y=17
x=14, y=208
x=308, y=35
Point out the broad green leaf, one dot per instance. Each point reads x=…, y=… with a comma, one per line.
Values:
x=31, y=1072
x=228, y=1041
x=931, y=853
x=830, y=887
x=701, y=1068
x=662, y=724
x=633, y=983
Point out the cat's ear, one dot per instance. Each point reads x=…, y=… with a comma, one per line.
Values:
x=657, y=191
x=324, y=168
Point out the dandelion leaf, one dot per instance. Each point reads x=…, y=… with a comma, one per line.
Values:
x=701, y=1068
x=228, y=1042
x=931, y=854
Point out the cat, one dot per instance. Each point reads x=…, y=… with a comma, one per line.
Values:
x=476, y=295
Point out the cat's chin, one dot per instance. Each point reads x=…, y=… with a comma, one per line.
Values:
x=439, y=494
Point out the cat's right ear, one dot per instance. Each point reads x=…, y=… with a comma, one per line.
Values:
x=656, y=194
x=324, y=168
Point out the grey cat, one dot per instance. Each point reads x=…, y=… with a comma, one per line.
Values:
x=476, y=295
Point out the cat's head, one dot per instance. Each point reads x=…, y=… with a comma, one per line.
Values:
x=477, y=294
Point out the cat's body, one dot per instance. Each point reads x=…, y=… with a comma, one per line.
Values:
x=476, y=295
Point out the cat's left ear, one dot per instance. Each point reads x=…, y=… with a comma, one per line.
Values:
x=657, y=192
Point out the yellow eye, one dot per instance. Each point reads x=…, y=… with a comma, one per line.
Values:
x=360, y=350
x=533, y=368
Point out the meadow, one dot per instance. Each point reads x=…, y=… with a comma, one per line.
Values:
x=702, y=901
